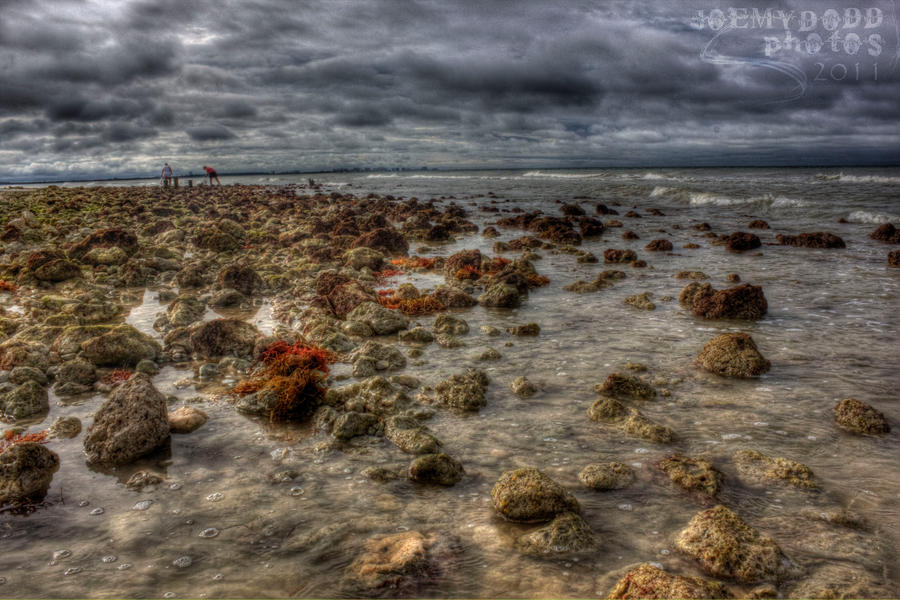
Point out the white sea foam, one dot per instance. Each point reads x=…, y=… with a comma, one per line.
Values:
x=654, y=176
x=844, y=178
x=561, y=175
x=717, y=199
x=862, y=216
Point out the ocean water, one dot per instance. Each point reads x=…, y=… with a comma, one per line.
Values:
x=223, y=525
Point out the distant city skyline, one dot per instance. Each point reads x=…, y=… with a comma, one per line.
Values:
x=102, y=89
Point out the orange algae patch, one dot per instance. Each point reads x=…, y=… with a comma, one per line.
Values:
x=424, y=305
x=6, y=286
x=295, y=373
x=414, y=262
x=117, y=376
x=497, y=264
x=468, y=272
x=536, y=280
x=382, y=276
x=11, y=438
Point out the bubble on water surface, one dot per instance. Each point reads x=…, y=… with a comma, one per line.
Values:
x=209, y=532
x=97, y=511
x=72, y=571
x=169, y=595
x=124, y=566
x=109, y=558
x=175, y=486
x=142, y=505
x=296, y=491
x=215, y=496
x=218, y=577
x=60, y=554
x=182, y=562
x=84, y=503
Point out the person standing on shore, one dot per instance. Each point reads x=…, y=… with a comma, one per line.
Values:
x=212, y=174
x=167, y=175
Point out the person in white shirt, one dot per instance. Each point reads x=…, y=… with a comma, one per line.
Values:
x=167, y=175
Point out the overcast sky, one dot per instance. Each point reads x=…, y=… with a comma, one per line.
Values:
x=115, y=87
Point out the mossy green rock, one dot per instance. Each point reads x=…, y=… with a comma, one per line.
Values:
x=733, y=355
x=20, y=375
x=224, y=337
x=25, y=401
x=566, y=534
x=647, y=581
x=184, y=310
x=121, y=346
x=410, y=436
x=464, y=391
x=383, y=321
x=440, y=469
x=500, y=295
x=77, y=371
x=527, y=495
x=727, y=547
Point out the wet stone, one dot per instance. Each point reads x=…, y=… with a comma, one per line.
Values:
x=439, y=469
x=527, y=495
x=733, y=355
x=186, y=419
x=625, y=387
x=523, y=388
x=464, y=391
x=640, y=426
x=528, y=329
x=65, y=427
x=648, y=581
x=693, y=474
x=757, y=467
x=858, y=417
x=606, y=476
x=566, y=534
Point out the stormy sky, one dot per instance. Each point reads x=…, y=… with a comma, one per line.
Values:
x=92, y=88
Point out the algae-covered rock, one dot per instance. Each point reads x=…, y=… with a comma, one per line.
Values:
x=859, y=417
x=26, y=470
x=638, y=425
x=395, y=564
x=20, y=375
x=453, y=297
x=464, y=391
x=449, y=324
x=641, y=301
x=527, y=495
x=224, y=337
x=818, y=239
x=648, y=581
x=568, y=533
x=239, y=277
x=625, y=387
x=757, y=467
x=57, y=270
x=522, y=387
x=725, y=546
x=25, y=401
x=131, y=423
x=65, y=427
x=383, y=321
x=410, y=436
x=186, y=419
x=223, y=235
x=528, y=329
x=121, y=346
x=17, y=352
x=78, y=371
x=357, y=258
x=607, y=410
x=742, y=302
x=500, y=295
x=734, y=355
x=416, y=335
x=380, y=356
x=352, y=424
x=436, y=468
x=693, y=474
x=606, y=476
x=105, y=256
x=113, y=237
x=184, y=310
x=615, y=256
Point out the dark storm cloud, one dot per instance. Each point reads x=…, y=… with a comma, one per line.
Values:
x=275, y=84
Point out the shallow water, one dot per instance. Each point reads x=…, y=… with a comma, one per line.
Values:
x=220, y=526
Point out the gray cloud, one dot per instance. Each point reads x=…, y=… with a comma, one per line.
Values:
x=269, y=84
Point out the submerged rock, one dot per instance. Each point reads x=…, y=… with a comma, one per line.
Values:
x=351, y=424
x=641, y=301
x=625, y=387
x=186, y=419
x=526, y=330
x=527, y=495
x=26, y=470
x=819, y=239
x=383, y=321
x=638, y=425
x=648, y=581
x=522, y=387
x=606, y=476
x=500, y=295
x=410, y=436
x=568, y=533
x=741, y=302
x=859, y=417
x=436, y=468
x=613, y=256
x=661, y=245
x=464, y=391
x=395, y=564
x=692, y=474
x=725, y=546
x=734, y=355
x=740, y=241
x=451, y=325
x=607, y=410
x=65, y=427
x=758, y=467
x=131, y=423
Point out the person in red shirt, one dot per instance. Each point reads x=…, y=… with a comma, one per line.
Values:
x=212, y=174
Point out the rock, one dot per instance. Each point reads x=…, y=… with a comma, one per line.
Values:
x=239, y=277
x=453, y=297
x=396, y=563
x=351, y=424
x=77, y=371
x=222, y=235
x=121, y=346
x=894, y=258
x=742, y=302
x=641, y=301
x=105, y=238
x=859, y=417
x=65, y=427
x=184, y=310
x=383, y=321
x=133, y=422
x=500, y=295
x=385, y=239
x=527, y=495
x=381, y=356
x=608, y=476
x=57, y=270
x=227, y=297
x=528, y=329
x=357, y=258
x=733, y=355
x=607, y=410
x=522, y=387
x=452, y=325
x=886, y=233
x=26, y=470
x=186, y=419
x=16, y=352
x=818, y=239
x=20, y=375
x=25, y=401
x=659, y=246
x=416, y=335
x=486, y=354
x=740, y=241
x=625, y=387
x=464, y=391
x=568, y=533
x=758, y=224
x=142, y=480
x=638, y=425
x=379, y=474
x=440, y=469
x=410, y=436
x=224, y=337
x=757, y=467
x=692, y=474
x=691, y=292
x=691, y=275
x=727, y=547
x=611, y=255
x=191, y=276
x=105, y=256
x=147, y=366
x=648, y=581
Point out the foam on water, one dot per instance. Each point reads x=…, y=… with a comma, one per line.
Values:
x=863, y=216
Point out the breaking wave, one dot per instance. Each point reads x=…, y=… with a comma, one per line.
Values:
x=858, y=178
x=862, y=216
x=715, y=199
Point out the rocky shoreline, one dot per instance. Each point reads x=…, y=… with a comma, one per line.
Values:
x=76, y=259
